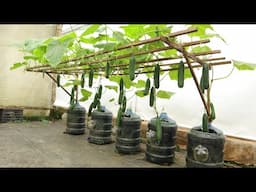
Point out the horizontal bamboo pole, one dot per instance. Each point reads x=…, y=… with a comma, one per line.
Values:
x=143, y=72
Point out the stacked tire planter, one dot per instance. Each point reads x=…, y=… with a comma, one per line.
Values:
x=128, y=134
x=163, y=151
x=100, y=128
x=205, y=149
x=76, y=120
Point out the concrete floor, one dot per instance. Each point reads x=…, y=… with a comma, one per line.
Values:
x=43, y=144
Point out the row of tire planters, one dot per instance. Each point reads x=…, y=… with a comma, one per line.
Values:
x=161, y=149
x=205, y=149
x=100, y=126
x=76, y=120
x=128, y=133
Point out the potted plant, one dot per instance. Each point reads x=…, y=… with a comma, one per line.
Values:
x=205, y=142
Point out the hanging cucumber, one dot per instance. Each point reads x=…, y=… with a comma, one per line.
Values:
x=91, y=77
x=95, y=100
x=119, y=117
x=100, y=91
x=205, y=75
x=72, y=100
x=121, y=84
x=156, y=76
x=152, y=97
x=158, y=130
x=212, y=116
x=132, y=68
x=202, y=84
x=82, y=80
x=90, y=110
x=58, y=80
x=124, y=104
x=205, y=123
x=98, y=106
x=120, y=98
x=157, y=31
x=181, y=74
x=107, y=72
x=147, y=86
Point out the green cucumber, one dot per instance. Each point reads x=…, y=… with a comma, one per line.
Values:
x=205, y=123
x=147, y=86
x=91, y=77
x=58, y=80
x=119, y=117
x=132, y=68
x=82, y=80
x=181, y=74
x=107, y=72
x=152, y=97
x=156, y=76
x=100, y=91
x=124, y=104
x=205, y=75
x=212, y=116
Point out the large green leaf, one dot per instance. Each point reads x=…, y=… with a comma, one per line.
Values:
x=72, y=82
x=133, y=31
x=86, y=94
x=32, y=57
x=201, y=30
x=68, y=36
x=241, y=65
x=30, y=45
x=118, y=36
x=111, y=87
x=17, y=65
x=55, y=51
x=89, y=30
x=169, y=53
x=164, y=94
x=40, y=51
x=140, y=93
x=139, y=84
x=152, y=29
x=126, y=78
x=106, y=46
x=198, y=49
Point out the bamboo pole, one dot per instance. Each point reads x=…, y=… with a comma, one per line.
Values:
x=143, y=72
x=56, y=83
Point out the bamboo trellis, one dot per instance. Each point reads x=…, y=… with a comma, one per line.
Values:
x=82, y=64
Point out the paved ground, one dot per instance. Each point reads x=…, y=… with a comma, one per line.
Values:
x=43, y=144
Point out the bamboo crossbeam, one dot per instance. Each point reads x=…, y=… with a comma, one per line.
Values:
x=186, y=44
x=143, y=72
x=174, y=34
x=124, y=66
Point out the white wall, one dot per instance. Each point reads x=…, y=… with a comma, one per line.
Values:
x=233, y=97
x=20, y=88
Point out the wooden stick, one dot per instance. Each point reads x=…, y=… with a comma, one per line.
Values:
x=57, y=83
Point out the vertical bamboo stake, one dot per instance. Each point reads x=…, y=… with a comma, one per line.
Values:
x=197, y=84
